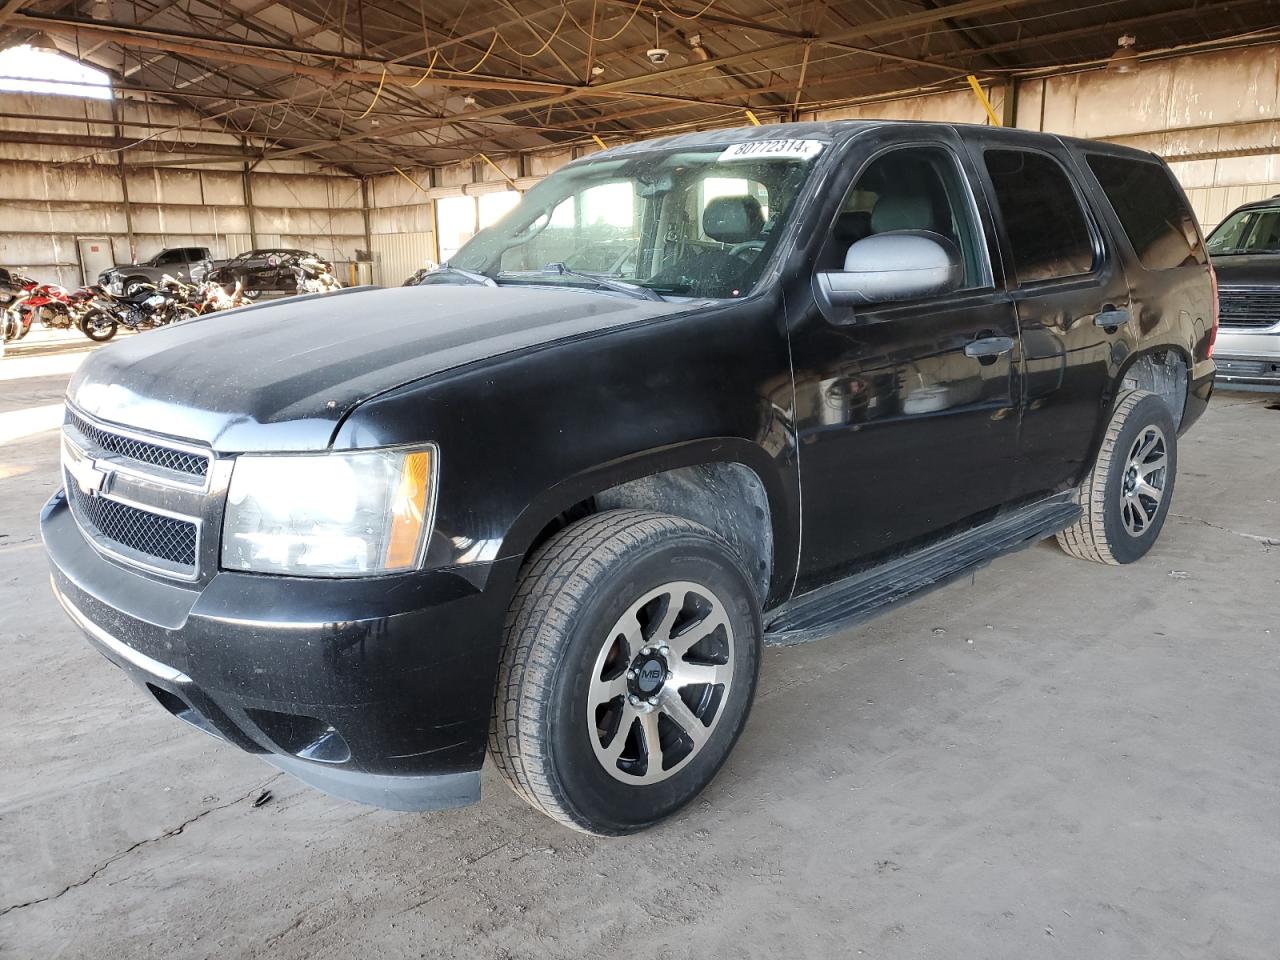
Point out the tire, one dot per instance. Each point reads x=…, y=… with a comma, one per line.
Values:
x=99, y=326
x=563, y=646
x=1122, y=517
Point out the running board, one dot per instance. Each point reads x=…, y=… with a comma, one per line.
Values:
x=840, y=605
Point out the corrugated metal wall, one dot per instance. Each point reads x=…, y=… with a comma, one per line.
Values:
x=49, y=196
x=397, y=256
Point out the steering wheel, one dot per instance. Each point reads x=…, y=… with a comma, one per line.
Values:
x=748, y=247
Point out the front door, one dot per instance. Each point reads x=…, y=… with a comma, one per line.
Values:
x=907, y=413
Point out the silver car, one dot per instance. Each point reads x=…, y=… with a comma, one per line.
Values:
x=1245, y=249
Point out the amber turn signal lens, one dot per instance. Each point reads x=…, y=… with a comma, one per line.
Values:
x=408, y=511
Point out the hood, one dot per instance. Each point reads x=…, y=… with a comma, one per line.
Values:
x=1248, y=270
x=280, y=376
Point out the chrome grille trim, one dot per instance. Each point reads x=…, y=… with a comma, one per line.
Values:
x=151, y=456
x=1249, y=308
x=141, y=514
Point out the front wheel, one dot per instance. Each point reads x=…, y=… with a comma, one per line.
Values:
x=1125, y=498
x=631, y=651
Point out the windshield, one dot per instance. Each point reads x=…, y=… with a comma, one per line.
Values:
x=698, y=222
x=1247, y=231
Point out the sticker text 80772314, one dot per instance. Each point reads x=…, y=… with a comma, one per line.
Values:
x=767, y=149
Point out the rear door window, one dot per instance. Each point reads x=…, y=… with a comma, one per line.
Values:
x=1047, y=230
x=1155, y=217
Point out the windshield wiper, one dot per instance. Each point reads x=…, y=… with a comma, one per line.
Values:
x=631, y=289
x=475, y=277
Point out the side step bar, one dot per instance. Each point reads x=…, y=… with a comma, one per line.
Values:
x=840, y=605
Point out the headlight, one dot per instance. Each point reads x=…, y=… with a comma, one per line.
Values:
x=329, y=515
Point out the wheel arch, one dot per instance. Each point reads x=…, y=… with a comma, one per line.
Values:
x=728, y=484
x=1164, y=370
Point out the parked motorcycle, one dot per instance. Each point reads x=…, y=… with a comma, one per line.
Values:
x=214, y=297
x=50, y=303
x=152, y=306
x=15, y=323
x=313, y=275
x=207, y=297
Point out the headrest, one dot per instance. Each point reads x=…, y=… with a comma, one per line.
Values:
x=902, y=211
x=852, y=226
x=733, y=219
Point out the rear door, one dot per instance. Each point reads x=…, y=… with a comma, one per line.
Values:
x=906, y=412
x=1064, y=274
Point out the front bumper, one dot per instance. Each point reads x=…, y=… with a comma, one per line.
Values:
x=1249, y=371
x=1248, y=358
x=377, y=690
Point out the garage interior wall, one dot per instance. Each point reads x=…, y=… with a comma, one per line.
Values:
x=1214, y=116
x=55, y=189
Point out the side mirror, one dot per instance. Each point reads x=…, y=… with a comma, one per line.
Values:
x=897, y=265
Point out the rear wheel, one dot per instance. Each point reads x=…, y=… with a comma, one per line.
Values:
x=99, y=326
x=1126, y=496
x=630, y=658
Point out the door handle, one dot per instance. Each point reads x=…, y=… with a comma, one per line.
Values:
x=1111, y=316
x=988, y=347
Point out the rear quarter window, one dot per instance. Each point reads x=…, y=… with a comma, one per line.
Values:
x=1150, y=208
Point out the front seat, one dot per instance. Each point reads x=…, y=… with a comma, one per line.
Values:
x=718, y=273
x=733, y=219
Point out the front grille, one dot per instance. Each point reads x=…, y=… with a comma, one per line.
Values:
x=1253, y=308
x=152, y=454
x=141, y=531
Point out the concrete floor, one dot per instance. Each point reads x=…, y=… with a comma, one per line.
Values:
x=1055, y=760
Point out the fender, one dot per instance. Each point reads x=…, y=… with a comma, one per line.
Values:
x=784, y=507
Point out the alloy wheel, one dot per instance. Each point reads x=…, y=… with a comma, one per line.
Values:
x=659, y=683
x=1143, y=484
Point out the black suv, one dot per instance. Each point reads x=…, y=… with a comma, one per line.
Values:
x=552, y=514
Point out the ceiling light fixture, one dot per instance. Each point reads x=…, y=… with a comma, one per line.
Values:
x=468, y=101
x=1125, y=57
x=657, y=54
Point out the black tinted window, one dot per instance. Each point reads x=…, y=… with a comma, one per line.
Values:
x=1155, y=217
x=1047, y=230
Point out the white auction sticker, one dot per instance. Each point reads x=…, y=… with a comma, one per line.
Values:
x=766, y=149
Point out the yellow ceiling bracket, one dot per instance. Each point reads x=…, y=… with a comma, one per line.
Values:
x=982, y=98
x=755, y=121
x=502, y=173
x=411, y=180
x=599, y=142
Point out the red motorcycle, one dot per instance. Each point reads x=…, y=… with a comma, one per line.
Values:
x=51, y=304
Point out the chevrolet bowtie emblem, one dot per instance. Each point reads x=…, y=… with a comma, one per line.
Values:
x=89, y=478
